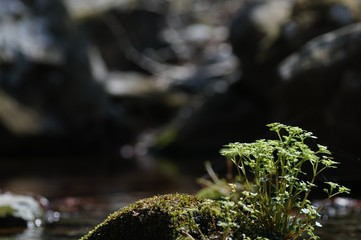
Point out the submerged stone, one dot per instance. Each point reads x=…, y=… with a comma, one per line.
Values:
x=171, y=216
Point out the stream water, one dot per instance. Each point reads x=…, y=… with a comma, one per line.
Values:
x=73, y=217
x=78, y=203
x=80, y=214
x=341, y=228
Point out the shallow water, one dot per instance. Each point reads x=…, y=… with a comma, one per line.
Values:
x=77, y=215
x=341, y=228
x=80, y=214
x=78, y=203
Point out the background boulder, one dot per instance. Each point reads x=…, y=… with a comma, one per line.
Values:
x=45, y=71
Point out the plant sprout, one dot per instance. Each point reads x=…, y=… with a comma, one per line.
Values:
x=274, y=200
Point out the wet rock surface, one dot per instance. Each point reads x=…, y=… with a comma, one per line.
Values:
x=326, y=68
x=301, y=68
x=18, y=212
x=45, y=71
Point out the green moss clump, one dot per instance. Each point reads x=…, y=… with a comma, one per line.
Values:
x=171, y=216
x=6, y=211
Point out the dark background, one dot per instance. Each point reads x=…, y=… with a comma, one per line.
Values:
x=108, y=96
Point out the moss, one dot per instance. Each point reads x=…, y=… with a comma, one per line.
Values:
x=6, y=211
x=172, y=216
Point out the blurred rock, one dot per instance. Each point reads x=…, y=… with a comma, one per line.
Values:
x=313, y=18
x=212, y=75
x=20, y=211
x=275, y=41
x=123, y=84
x=322, y=86
x=256, y=28
x=283, y=40
x=199, y=133
x=263, y=33
x=146, y=102
x=324, y=53
x=44, y=66
x=83, y=9
x=17, y=118
x=131, y=39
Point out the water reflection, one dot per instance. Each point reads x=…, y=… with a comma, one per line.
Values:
x=72, y=217
x=34, y=233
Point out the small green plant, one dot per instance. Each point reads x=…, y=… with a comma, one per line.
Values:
x=273, y=202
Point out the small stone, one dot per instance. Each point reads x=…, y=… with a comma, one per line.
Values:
x=19, y=211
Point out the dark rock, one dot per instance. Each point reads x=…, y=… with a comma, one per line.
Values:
x=44, y=68
x=20, y=211
x=323, y=54
x=8, y=223
x=172, y=216
x=263, y=33
x=321, y=88
x=313, y=18
x=222, y=118
x=318, y=70
x=253, y=33
x=212, y=75
x=131, y=40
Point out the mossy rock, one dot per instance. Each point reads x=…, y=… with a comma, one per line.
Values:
x=8, y=220
x=172, y=216
x=6, y=210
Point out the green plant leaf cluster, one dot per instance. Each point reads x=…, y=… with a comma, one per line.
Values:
x=268, y=199
x=273, y=202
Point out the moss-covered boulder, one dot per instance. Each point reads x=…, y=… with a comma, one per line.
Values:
x=172, y=216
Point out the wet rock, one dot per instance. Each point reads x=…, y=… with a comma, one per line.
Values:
x=26, y=35
x=212, y=75
x=313, y=18
x=123, y=84
x=131, y=39
x=9, y=221
x=20, y=211
x=222, y=118
x=263, y=33
x=83, y=9
x=321, y=87
x=45, y=70
x=170, y=216
x=252, y=34
x=147, y=103
x=324, y=54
